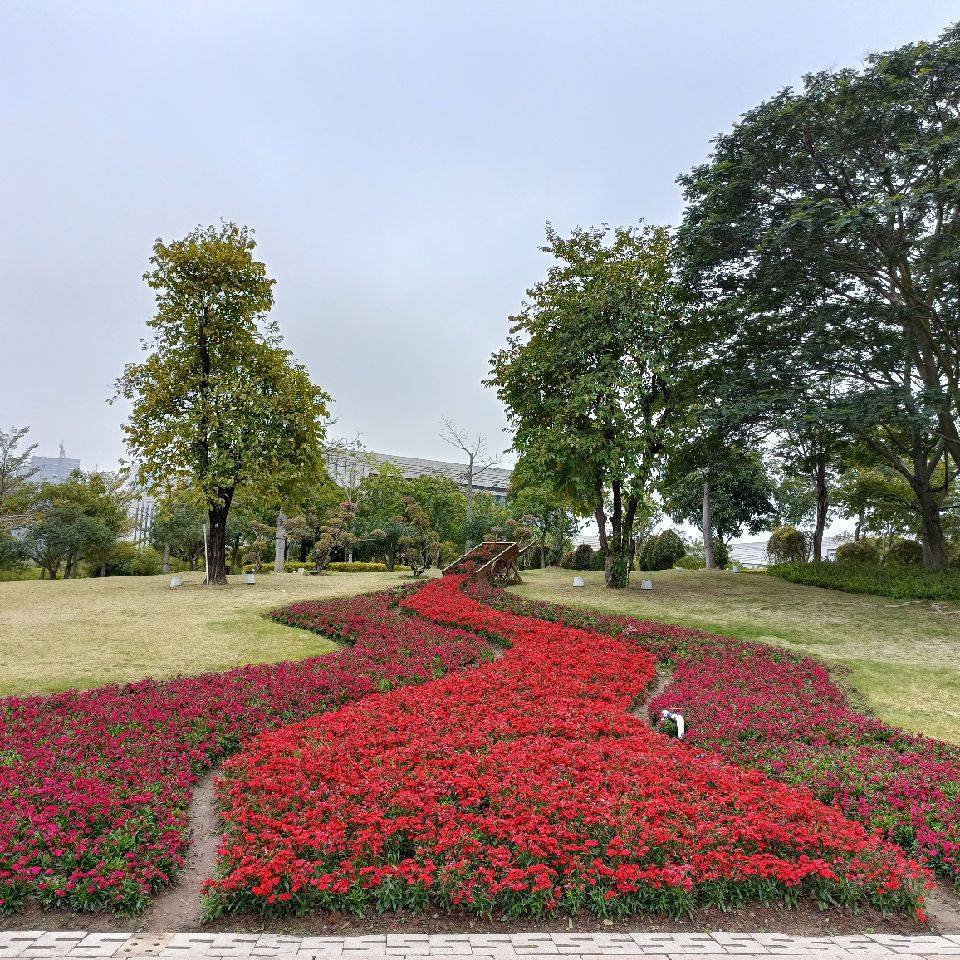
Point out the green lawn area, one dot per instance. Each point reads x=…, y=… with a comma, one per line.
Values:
x=903, y=658
x=81, y=633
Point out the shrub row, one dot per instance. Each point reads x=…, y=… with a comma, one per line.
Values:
x=660, y=551
x=901, y=583
x=523, y=788
x=352, y=566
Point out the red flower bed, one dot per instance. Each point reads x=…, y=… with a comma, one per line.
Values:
x=767, y=709
x=522, y=787
x=95, y=785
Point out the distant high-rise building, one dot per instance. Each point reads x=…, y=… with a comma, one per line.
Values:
x=53, y=469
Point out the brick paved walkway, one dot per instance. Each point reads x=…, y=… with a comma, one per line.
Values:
x=589, y=946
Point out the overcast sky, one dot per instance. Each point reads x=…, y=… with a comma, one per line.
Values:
x=397, y=160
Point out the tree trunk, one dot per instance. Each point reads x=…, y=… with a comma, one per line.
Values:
x=166, y=558
x=619, y=546
x=857, y=530
x=280, y=544
x=823, y=504
x=103, y=568
x=469, y=514
x=931, y=527
x=931, y=524
x=217, y=544
x=707, y=524
x=391, y=560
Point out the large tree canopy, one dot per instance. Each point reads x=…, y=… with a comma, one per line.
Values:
x=218, y=404
x=828, y=223
x=586, y=375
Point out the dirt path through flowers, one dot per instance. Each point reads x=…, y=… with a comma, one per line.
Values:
x=642, y=710
x=178, y=907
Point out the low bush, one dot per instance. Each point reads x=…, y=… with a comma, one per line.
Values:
x=352, y=566
x=863, y=551
x=662, y=551
x=901, y=583
x=905, y=553
x=786, y=545
x=131, y=561
x=25, y=572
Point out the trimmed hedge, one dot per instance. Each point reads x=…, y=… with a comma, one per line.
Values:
x=355, y=566
x=905, y=553
x=786, y=545
x=661, y=551
x=901, y=583
x=864, y=551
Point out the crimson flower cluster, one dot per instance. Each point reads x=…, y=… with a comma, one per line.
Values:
x=524, y=787
x=95, y=785
x=771, y=710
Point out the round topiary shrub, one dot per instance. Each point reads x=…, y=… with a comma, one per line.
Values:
x=905, y=553
x=583, y=557
x=858, y=551
x=661, y=551
x=786, y=545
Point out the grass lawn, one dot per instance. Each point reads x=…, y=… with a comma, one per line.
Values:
x=82, y=633
x=902, y=657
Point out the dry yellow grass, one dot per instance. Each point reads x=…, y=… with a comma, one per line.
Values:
x=81, y=633
x=903, y=658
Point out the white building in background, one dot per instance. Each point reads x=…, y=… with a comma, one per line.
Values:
x=750, y=555
x=347, y=469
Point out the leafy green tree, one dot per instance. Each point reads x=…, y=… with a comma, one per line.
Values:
x=488, y=514
x=445, y=504
x=218, y=404
x=420, y=544
x=107, y=501
x=381, y=500
x=16, y=478
x=534, y=500
x=722, y=485
x=80, y=518
x=586, y=375
x=879, y=500
x=824, y=225
x=177, y=531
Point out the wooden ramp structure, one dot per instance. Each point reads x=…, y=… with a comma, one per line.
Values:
x=496, y=561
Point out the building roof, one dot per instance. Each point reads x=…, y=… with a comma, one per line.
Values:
x=492, y=478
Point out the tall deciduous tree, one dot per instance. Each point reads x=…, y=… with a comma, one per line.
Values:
x=16, y=477
x=724, y=486
x=474, y=449
x=218, y=404
x=586, y=375
x=828, y=220
x=533, y=500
